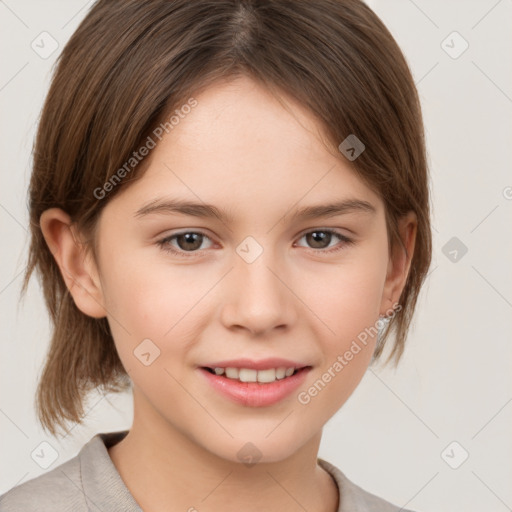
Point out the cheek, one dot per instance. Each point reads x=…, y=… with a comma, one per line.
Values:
x=347, y=345
x=148, y=318
x=156, y=302
x=347, y=297
x=150, y=296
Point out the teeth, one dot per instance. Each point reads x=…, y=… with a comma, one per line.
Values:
x=231, y=373
x=249, y=375
x=266, y=375
x=280, y=373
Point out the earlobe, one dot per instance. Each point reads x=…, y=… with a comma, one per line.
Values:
x=75, y=263
x=399, y=265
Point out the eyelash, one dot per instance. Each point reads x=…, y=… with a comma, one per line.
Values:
x=164, y=243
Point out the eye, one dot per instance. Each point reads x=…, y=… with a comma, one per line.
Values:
x=191, y=241
x=320, y=239
x=187, y=241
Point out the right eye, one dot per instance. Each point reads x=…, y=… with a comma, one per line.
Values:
x=187, y=241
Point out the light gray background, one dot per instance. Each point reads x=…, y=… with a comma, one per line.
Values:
x=454, y=382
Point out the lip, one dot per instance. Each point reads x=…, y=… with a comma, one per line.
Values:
x=262, y=364
x=254, y=394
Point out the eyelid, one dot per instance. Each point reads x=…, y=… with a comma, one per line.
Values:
x=164, y=243
x=336, y=231
x=344, y=240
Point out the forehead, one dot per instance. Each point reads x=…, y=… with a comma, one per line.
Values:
x=239, y=113
x=240, y=146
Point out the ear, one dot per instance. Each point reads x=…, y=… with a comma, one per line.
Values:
x=76, y=265
x=400, y=262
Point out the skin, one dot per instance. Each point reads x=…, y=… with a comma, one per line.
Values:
x=240, y=150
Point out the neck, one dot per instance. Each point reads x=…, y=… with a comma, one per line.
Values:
x=166, y=470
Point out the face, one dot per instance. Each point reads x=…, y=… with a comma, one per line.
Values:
x=185, y=291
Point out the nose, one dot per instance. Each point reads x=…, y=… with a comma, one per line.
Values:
x=257, y=296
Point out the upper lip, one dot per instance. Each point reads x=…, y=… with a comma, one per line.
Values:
x=262, y=364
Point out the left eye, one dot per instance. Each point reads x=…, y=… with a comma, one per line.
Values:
x=191, y=241
x=318, y=237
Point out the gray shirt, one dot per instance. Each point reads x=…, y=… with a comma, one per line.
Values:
x=90, y=482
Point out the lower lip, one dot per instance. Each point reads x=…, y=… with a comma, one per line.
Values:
x=254, y=394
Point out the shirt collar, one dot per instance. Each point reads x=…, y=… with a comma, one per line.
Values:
x=105, y=490
x=103, y=487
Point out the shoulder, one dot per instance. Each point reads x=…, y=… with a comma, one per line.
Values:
x=355, y=499
x=58, y=490
x=88, y=481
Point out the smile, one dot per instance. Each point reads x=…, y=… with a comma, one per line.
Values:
x=250, y=375
x=255, y=388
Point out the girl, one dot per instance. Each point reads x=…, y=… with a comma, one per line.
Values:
x=283, y=141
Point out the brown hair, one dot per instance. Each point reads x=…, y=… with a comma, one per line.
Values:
x=130, y=63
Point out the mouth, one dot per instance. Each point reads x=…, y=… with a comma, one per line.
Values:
x=257, y=376
x=254, y=388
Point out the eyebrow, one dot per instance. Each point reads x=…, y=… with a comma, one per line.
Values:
x=203, y=210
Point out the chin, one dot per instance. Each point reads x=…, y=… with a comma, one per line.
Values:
x=257, y=450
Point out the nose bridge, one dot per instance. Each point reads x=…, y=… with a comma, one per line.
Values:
x=257, y=265
x=258, y=299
